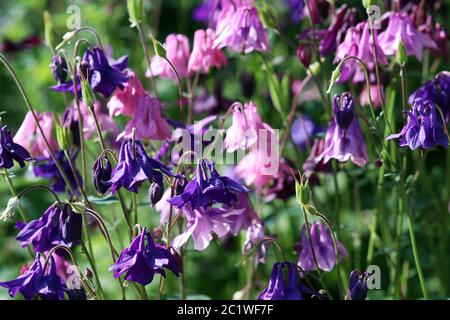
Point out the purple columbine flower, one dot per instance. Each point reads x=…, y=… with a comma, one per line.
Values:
x=424, y=127
x=436, y=91
x=206, y=190
x=10, y=151
x=302, y=130
x=296, y=8
x=203, y=224
x=143, y=258
x=104, y=77
x=135, y=167
x=47, y=169
x=344, y=140
x=56, y=226
x=101, y=174
x=284, y=283
x=322, y=243
x=401, y=29
x=37, y=283
x=357, y=287
x=59, y=68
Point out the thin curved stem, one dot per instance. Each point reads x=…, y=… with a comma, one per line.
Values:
x=71, y=34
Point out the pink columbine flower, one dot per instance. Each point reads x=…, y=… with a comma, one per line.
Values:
x=240, y=29
x=177, y=49
x=148, y=121
x=401, y=29
x=30, y=137
x=358, y=42
x=125, y=100
x=106, y=123
x=244, y=130
x=204, y=55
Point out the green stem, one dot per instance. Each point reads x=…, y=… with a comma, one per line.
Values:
x=416, y=256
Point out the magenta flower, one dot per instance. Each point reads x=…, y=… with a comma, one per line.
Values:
x=322, y=244
x=240, y=29
x=204, y=55
x=143, y=258
x=344, y=140
x=125, y=101
x=358, y=42
x=29, y=136
x=147, y=120
x=203, y=223
x=177, y=49
x=401, y=29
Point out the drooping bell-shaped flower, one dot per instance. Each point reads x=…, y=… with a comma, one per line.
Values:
x=205, y=190
x=135, y=167
x=125, y=101
x=240, y=29
x=147, y=121
x=59, y=68
x=36, y=282
x=284, y=283
x=424, y=127
x=344, y=140
x=10, y=151
x=202, y=224
x=324, y=251
x=46, y=168
x=401, y=29
x=29, y=136
x=437, y=91
x=56, y=226
x=254, y=235
x=101, y=174
x=103, y=76
x=177, y=50
x=143, y=258
x=204, y=54
x=357, y=287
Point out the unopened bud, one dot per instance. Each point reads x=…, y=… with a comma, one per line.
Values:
x=155, y=193
x=88, y=95
x=401, y=57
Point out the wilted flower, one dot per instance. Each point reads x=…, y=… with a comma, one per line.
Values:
x=357, y=287
x=46, y=168
x=254, y=235
x=344, y=140
x=284, y=283
x=143, y=258
x=424, y=127
x=29, y=136
x=203, y=223
x=8, y=213
x=177, y=48
x=10, y=151
x=241, y=30
x=401, y=29
x=101, y=174
x=204, y=55
x=135, y=167
x=37, y=283
x=323, y=246
x=56, y=226
x=147, y=121
x=205, y=190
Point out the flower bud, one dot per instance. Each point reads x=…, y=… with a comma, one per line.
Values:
x=155, y=193
x=8, y=213
x=334, y=76
x=343, y=109
x=78, y=207
x=83, y=70
x=357, y=286
x=101, y=173
x=302, y=192
x=63, y=137
x=88, y=95
x=134, y=11
x=401, y=57
x=304, y=54
x=59, y=68
x=267, y=16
